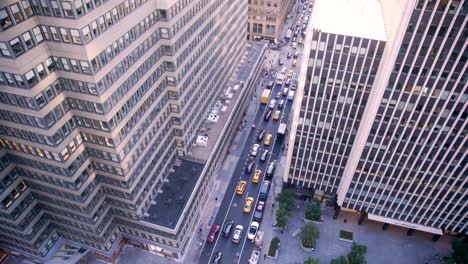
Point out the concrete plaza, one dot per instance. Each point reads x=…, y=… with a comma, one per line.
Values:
x=383, y=247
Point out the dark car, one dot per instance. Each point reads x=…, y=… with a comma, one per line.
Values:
x=228, y=228
x=217, y=257
x=281, y=104
x=258, y=214
x=250, y=166
x=264, y=155
x=289, y=55
x=213, y=233
x=267, y=115
x=261, y=135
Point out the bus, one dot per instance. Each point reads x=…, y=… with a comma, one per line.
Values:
x=281, y=131
x=265, y=96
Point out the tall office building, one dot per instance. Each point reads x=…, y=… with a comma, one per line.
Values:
x=381, y=123
x=266, y=18
x=98, y=99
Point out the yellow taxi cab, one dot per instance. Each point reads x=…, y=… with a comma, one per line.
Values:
x=276, y=115
x=267, y=140
x=290, y=73
x=241, y=187
x=248, y=204
x=256, y=177
x=294, y=63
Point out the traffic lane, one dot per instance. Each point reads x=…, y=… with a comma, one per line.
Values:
x=226, y=202
x=249, y=246
x=271, y=157
x=225, y=214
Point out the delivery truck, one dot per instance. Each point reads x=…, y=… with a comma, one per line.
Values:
x=265, y=96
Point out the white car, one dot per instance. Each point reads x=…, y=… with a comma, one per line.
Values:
x=253, y=230
x=254, y=257
x=237, y=233
x=272, y=103
x=255, y=149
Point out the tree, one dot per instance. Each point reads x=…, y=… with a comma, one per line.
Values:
x=309, y=233
x=340, y=260
x=313, y=211
x=282, y=217
x=460, y=250
x=357, y=254
x=286, y=203
x=311, y=261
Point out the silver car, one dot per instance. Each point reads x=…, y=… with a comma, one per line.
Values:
x=237, y=234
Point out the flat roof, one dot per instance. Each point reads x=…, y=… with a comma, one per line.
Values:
x=213, y=130
x=169, y=203
x=357, y=18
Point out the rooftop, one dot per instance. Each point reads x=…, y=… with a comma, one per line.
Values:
x=169, y=204
x=357, y=18
x=213, y=130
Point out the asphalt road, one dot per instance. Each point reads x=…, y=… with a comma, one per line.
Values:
x=231, y=207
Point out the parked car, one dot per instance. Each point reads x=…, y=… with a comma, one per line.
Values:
x=258, y=214
x=241, y=187
x=293, y=87
x=254, y=257
x=294, y=62
x=288, y=82
x=253, y=230
x=217, y=257
x=213, y=234
x=255, y=149
x=296, y=54
x=237, y=233
x=285, y=91
x=261, y=134
x=289, y=55
x=249, y=202
x=227, y=228
x=271, y=169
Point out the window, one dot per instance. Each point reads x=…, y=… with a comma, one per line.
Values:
x=75, y=36
x=27, y=8
x=38, y=35
x=67, y=9
x=4, y=50
x=45, y=7
x=79, y=7
x=45, y=32
x=64, y=34
x=54, y=33
x=28, y=40
x=16, y=12
x=31, y=78
x=55, y=7
x=41, y=71
x=86, y=34
x=16, y=46
x=5, y=20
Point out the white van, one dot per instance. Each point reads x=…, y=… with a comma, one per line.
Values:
x=291, y=95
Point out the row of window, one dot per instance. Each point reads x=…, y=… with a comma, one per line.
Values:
x=62, y=156
x=19, y=45
x=14, y=195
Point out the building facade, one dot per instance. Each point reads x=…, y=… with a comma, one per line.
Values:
x=405, y=163
x=97, y=100
x=266, y=18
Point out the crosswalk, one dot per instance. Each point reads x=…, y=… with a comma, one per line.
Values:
x=295, y=75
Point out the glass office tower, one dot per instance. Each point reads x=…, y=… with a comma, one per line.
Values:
x=405, y=162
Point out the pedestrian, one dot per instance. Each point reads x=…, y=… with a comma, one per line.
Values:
x=345, y=220
x=273, y=205
x=199, y=230
x=216, y=198
x=264, y=256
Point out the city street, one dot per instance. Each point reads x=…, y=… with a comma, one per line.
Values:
x=231, y=207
